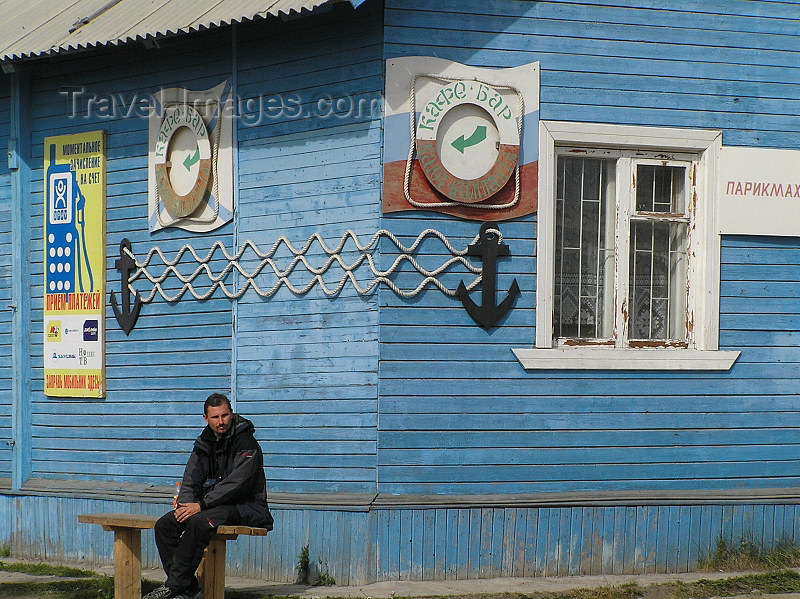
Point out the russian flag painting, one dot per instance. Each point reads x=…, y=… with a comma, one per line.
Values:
x=461, y=140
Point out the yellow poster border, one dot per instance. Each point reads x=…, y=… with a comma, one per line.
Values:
x=74, y=260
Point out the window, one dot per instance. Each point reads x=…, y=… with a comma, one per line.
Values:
x=627, y=249
x=600, y=224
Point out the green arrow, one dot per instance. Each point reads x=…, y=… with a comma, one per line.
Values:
x=477, y=137
x=190, y=160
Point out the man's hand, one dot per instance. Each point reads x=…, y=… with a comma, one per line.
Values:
x=184, y=511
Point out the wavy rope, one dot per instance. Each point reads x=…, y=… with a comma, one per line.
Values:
x=282, y=275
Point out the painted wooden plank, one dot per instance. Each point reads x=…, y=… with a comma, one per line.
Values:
x=665, y=476
x=439, y=542
x=700, y=543
x=465, y=544
x=446, y=544
x=588, y=383
x=624, y=538
x=405, y=545
x=538, y=456
x=342, y=567
x=615, y=44
x=547, y=52
x=687, y=546
x=425, y=523
x=579, y=526
x=618, y=403
x=544, y=550
x=513, y=422
x=616, y=530
x=417, y=543
x=533, y=543
x=790, y=525
x=601, y=555
x=786, y=526
x=383, y=550
x=648, y=522
x=624, y=13
x=560, y=538
x=497, y=533
x=514, y=542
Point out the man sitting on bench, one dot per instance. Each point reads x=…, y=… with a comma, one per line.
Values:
x=224, y=483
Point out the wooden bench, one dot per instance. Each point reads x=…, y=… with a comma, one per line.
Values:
x=127, y=530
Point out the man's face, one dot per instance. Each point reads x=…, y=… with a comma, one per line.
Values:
x=219, y=418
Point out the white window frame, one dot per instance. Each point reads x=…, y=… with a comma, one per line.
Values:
x=703, y=352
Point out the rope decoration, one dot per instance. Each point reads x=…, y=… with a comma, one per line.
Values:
x=267, y=259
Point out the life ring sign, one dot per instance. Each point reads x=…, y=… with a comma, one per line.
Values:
x=182, y=160
x=190, y=159
x=460, y=140
x=467, y=141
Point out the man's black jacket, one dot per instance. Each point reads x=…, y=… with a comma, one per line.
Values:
x=228, y=471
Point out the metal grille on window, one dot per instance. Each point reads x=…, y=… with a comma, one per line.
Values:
x=658, y=277
x=584, y=261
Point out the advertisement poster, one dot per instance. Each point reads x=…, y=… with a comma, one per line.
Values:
x=74, y=264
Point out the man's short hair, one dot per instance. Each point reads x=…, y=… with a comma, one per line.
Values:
x=215, y=400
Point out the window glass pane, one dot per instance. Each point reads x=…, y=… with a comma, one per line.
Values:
x=584, y=263
x=660, y=188
x=658, y=284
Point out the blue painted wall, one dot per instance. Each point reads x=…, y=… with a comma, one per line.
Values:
x=458, y=413
x=433, y=544
x=5, y=287
x=143, y=428
x=378, y=394
x=306, y=367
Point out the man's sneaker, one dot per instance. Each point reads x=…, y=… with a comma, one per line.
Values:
x=162, y=592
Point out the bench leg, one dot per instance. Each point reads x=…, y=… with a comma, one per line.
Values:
x=212, y=570
x=127, y=563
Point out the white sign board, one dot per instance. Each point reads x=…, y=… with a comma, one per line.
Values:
x=759, y=191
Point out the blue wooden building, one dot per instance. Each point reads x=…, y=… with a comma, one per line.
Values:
x=636, y=403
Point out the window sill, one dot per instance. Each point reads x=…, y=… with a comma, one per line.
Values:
x=606, y=358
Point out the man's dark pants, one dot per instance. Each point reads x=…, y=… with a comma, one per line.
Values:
x=181, y=544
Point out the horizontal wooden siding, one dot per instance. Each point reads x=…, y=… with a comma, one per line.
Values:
x=6, y=274
x=306, y=364
x=179, y=352
x=458, y=414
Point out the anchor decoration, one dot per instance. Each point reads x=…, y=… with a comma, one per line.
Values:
x=489, y=247
x=126, y=317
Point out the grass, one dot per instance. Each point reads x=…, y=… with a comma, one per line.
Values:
x=98, y=587
x=744, y=555
x=747, y=555
x=46, y=570
x=773, y=582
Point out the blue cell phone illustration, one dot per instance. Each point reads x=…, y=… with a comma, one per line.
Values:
x=65, y=210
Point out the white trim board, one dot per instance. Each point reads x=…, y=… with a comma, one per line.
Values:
x=609, y=358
